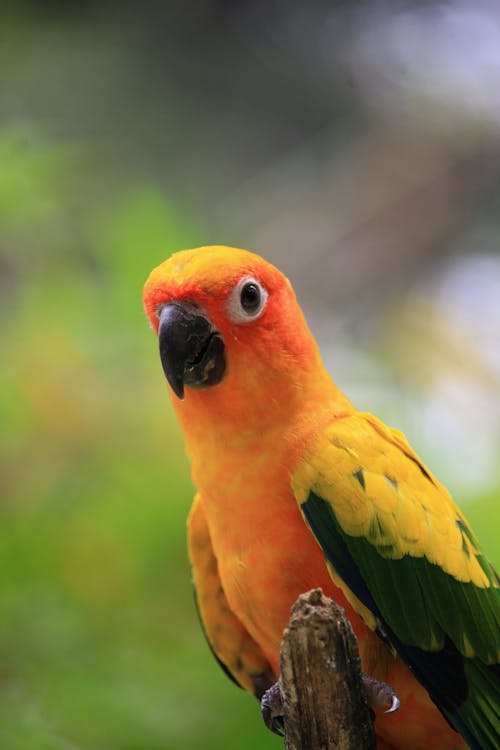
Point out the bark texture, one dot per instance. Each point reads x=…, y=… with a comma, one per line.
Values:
x=324, y=704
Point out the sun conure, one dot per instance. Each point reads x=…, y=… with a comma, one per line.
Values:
x=297, y=489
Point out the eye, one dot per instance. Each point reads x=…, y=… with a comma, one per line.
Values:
x=247, y=301
x=250, y=298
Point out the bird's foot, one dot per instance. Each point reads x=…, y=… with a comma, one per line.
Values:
x=271, y=706
x=379, y=694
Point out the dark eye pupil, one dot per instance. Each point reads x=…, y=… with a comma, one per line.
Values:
x=250, y=297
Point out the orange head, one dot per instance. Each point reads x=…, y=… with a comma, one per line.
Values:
x=232, y=338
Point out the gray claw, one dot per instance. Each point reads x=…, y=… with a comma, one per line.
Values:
x=394, y=705
x=271, y=706
x=379, y=694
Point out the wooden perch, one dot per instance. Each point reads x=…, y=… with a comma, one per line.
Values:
x=324, y=704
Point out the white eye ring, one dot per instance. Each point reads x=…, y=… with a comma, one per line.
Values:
x=247, y=300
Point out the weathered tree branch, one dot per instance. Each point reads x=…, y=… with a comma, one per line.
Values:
x=324, y=704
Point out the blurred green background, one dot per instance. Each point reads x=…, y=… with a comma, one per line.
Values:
x=356, y=145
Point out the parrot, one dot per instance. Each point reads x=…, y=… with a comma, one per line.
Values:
x=296, y=489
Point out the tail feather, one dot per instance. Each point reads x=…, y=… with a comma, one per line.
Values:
x=478, y=718
x=466, y=690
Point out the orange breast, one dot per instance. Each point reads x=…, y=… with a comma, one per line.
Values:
x=267, y=557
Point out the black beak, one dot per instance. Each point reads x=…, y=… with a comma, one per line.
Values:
x=191, y=350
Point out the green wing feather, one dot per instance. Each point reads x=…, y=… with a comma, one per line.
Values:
x=399, y=544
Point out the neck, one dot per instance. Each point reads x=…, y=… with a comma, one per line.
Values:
x=243, y=422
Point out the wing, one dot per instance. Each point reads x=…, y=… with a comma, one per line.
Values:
x=235, y=650
x=410, y=565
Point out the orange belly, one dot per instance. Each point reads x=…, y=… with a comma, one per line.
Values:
x=263, y=575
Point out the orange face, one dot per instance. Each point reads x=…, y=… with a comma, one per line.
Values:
x=207, y=276
x=226, y=318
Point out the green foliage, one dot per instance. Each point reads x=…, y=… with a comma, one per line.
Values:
x=99, y=642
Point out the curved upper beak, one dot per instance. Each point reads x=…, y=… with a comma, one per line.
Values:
x=191, y=350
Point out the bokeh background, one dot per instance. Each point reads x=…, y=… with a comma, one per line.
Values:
x=354, y=144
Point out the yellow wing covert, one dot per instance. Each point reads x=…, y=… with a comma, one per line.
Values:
x=410, y=565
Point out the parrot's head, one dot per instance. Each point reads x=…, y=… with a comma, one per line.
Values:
x=231, y=334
